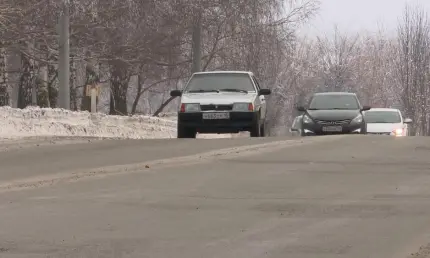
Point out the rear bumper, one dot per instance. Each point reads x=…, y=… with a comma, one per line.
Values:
x=238, y=121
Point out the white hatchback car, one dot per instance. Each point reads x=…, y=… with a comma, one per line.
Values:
x=386, y=121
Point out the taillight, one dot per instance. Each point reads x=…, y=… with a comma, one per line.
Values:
x=182, y=108
x=250, y=107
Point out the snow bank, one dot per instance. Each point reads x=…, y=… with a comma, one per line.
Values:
x=35, y=121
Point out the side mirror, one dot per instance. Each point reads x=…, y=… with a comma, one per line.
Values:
x=407, y=121
x=175, y=93
x=264, y=92
x=301, y=108
x=366, y=108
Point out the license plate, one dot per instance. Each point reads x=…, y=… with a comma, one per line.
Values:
x=217, y=115
x=332, y=128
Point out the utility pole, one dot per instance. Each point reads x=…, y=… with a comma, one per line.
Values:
x=64, y=58
x=197, y=44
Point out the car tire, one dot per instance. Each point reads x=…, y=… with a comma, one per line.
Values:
x=256, y=128
x=186, y=132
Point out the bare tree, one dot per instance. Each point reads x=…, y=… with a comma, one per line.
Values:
x=413, y=66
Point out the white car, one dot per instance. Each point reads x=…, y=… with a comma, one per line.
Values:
x=221, y=102
x=386, y=121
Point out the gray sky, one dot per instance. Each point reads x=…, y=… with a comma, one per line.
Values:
x=356, y=15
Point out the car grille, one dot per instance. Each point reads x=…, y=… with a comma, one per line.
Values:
x=379, y=133
x=334, y=122
x=216, y=107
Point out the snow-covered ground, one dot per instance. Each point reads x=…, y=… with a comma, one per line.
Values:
x=35, y=121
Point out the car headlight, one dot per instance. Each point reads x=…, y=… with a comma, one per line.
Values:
x=358, y=119
x=190, y=107
x=241, y=107
x=307, y=119
x=397, y=132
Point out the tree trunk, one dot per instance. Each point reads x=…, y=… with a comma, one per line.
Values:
x=42, y=78
x=119, y=86
x=92, y=78
x=53, y=82
x=4, y=94
x=44, y=91
x=160, y=109
x=25, y=84
x=139, y=93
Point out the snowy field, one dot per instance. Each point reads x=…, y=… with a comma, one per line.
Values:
x=45, y=122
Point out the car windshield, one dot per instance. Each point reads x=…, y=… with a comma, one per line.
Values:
x=334, y=102
x=382, y=117
x=233, y=82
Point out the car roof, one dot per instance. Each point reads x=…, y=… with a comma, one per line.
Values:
x=335, y=93
x=384, y=109
x=223, y=72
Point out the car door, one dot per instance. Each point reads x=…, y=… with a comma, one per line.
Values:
x=261, y=98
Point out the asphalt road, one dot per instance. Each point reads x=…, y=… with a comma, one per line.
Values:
x=357, y=196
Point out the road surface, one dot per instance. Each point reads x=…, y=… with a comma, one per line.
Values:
x=353, y=196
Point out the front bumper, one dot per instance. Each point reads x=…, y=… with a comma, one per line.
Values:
x=238, y=121
x=381, y=133
x=318, y=129
x=386, y=134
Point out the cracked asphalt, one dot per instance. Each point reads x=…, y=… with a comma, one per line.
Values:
x=353, y=196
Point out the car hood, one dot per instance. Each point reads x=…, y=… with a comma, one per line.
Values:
x=333, y=114
x=383, y=127
x=223, y=98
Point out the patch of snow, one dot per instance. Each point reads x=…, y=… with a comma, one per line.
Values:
x=35, y=121
x=39, y=122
